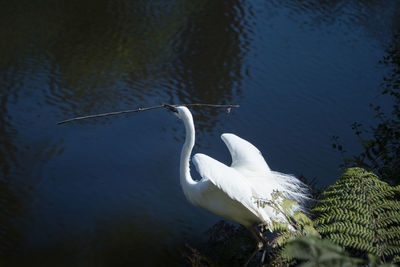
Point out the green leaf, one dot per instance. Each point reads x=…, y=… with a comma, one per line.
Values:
x=361, y=213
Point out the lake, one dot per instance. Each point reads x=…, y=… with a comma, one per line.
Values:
x=106, y=192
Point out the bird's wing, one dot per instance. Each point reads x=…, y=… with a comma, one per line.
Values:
x=248, y=160
x=245, y=156
x=230, y=181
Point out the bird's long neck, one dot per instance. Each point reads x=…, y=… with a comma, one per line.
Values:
x=185, y=177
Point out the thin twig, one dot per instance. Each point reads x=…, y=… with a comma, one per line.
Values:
x=144, y=109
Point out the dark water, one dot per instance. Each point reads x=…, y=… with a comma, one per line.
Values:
x=105, y=192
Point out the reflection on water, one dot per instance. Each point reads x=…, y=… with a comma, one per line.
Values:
x=105, y=192
x=352, y=14
x=208, y=66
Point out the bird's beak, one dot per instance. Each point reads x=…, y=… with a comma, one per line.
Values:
x=170, y=108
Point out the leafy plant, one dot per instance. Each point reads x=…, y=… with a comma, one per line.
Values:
x=289, y=223
x=361, y=213
x=313, y=251
x=293, y=221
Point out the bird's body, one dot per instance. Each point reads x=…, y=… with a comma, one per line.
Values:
x=232, y=191
x=211, y=192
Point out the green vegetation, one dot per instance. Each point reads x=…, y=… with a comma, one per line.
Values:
x=313, y=251
x=291, y=225
x=358, y=215
x=361, y=213
x=356, y=223
x=297, y=221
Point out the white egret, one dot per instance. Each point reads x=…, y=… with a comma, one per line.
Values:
x=232, y=192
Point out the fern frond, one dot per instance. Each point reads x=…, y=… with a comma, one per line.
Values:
x=361, y=212
x=281, y=239
x=301, y=217
x=352, y=242
x=338, y=214
x=351, y=230
x=275, y=226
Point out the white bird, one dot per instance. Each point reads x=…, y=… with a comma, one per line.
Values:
x=232, y=192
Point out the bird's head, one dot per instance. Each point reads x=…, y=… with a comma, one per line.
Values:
x=180, y=111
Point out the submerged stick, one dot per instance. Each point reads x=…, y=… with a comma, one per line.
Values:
x=144, y=109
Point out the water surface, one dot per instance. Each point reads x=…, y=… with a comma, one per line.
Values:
x=105, y=192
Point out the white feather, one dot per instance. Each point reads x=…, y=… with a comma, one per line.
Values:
x=248, y=160
x=232, y=191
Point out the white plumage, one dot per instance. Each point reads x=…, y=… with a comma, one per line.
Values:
x=232, y=191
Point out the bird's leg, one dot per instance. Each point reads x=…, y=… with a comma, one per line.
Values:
x=258, y=247
x=261, y=244
x=263, y=240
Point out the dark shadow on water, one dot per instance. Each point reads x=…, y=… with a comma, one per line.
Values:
x=116, y=243
x=10, y=237
x=225, y=244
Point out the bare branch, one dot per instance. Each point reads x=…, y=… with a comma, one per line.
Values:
x=144, y=109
